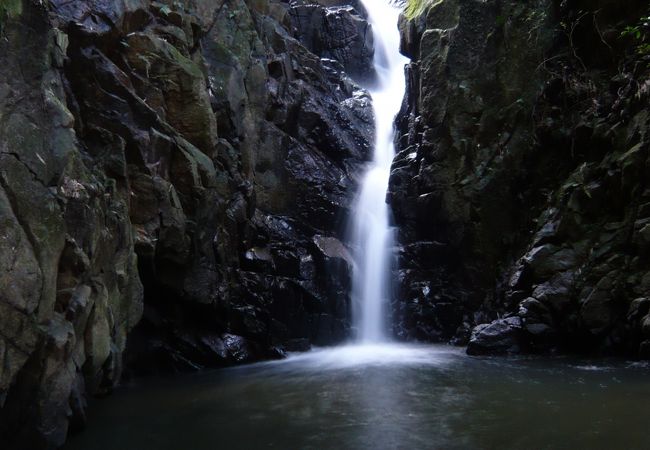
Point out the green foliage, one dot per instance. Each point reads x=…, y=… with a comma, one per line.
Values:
x=632, y=31
x=640, y=34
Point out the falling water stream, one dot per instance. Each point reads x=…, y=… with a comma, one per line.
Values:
x=372, y=232
x=376, y=394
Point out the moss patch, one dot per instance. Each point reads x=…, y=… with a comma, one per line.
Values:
x=415, y=8
x=8, y=10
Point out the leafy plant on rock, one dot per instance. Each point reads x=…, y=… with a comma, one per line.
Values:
x=640, y=34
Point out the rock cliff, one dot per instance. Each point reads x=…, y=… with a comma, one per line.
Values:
x=520, y=186
x=174, y=181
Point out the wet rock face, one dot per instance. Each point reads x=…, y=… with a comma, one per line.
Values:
x=337, y=32
x=185, y=167
x=519, y=189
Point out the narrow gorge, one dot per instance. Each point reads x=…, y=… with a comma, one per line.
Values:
x=425, y=222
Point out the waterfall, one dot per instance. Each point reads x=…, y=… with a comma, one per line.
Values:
x=373, y=237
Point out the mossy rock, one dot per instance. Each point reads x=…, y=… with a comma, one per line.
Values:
x=9, y=9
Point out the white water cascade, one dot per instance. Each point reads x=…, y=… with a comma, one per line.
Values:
x=373, y=237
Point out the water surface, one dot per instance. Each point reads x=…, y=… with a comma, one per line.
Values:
x=383, y=397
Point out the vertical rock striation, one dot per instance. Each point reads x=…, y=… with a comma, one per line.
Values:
x=520, y=187
x=183, y=168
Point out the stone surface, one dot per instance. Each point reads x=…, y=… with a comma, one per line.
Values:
x=498, y=337
x=336, y=32
x=175, y=166
x=523, y=153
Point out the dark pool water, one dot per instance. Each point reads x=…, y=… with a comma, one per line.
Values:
x=383, y=397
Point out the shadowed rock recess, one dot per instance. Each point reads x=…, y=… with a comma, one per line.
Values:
x=520, y=187
x=175, y=178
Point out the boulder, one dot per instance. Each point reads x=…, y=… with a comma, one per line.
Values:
x=502, y=336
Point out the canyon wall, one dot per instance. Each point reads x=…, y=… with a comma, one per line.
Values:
x=175, y=180
x=520, y=184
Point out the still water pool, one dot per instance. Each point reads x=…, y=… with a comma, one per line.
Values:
x=383, y=397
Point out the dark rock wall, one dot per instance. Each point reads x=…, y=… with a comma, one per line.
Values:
x=175, y=178
x=520, y=186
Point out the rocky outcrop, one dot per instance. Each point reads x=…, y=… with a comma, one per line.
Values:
x=338, y=32
x=185, y=167
x=520, y=185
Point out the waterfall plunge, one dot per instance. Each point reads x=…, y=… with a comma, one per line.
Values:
x=373, y=237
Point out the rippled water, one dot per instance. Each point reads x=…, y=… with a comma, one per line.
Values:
x=383, y=397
